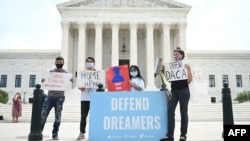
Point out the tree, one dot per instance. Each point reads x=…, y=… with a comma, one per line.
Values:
x=4, y=96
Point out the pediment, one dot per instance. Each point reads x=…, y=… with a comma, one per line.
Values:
x=124, y=4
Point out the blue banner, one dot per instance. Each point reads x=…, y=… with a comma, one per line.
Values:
x=128, y=116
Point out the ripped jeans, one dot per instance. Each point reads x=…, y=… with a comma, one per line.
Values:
x=48, y=104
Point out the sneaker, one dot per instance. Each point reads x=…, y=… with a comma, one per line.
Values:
x=81, y=136
x=167, y=139
x=182, y=138
x=55, y=137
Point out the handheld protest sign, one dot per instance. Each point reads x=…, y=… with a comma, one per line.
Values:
x=57, y=81
x=118, y=78
x=176, y=71
x=91, y=79
x=158, y=66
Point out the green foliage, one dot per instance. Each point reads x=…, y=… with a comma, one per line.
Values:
x=243, y=96
x=4, y=96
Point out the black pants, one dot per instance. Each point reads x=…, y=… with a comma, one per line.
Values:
x=84, y=114
x=182, y=96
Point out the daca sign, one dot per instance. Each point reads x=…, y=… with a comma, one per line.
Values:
x=176, y=71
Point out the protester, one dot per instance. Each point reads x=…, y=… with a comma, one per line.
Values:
x=181, y=94
x=54, y=99
x=85, y=99
x=136, y=80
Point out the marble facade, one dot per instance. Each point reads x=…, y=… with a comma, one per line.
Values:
x=148, y=29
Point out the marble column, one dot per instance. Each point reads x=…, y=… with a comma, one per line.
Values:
x=98, y=45
x=176, y=39
x=166, y=43
x=115, y=44
x=150, y=56
x=182, y=32
x=65, y=44
x=81, y=46
x=133, y=44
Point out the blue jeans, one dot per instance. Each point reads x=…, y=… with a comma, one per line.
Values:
x=48, y=104
x=182, y=96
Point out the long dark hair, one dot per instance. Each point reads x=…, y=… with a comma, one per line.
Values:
x=139, y=73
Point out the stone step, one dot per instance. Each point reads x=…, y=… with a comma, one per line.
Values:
x=197, y=112
x=70, y=113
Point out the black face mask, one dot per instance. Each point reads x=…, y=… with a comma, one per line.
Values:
x=59, y=66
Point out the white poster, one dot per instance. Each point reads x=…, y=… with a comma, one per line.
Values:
x=176, y=71
x=91, y=79
x=57, y=81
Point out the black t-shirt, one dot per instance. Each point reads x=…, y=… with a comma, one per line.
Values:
x=180, y=84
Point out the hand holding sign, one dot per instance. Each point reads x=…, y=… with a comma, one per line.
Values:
x=57, y=81
x=118, y=78
x=91, y=79
x=167, y=85
x=176, y=71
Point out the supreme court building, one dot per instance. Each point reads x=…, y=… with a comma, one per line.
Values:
x=133, y=32
x=115, y=32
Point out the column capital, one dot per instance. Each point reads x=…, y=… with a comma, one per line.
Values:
x=82, y=24
x=133, y=25
x=98, y=24
x=150, y=24
x=182, y=25
x=115, y=25
x=65, y=24
x=166, y=24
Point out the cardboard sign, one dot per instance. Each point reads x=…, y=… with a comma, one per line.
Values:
x=91, y=79
x=128, y=116
x=57, y=81
x=176, y=71
x=118, y=78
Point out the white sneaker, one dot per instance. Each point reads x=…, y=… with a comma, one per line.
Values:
x=81, y=136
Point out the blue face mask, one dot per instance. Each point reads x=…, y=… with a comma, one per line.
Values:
x=90, y=64
x=134, y=73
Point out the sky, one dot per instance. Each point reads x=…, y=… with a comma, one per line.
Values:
x=212, y=24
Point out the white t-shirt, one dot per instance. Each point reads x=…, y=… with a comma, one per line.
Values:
x=85, y=95
x=139, y=82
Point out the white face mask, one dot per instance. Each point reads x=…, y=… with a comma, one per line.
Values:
x=89, y=64
x=133, y=73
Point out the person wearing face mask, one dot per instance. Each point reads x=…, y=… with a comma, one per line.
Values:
x=54, y=99
x=85, y=99
x=180, y=93
x=136, y=80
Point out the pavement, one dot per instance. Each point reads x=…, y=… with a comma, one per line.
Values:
x=197, y=131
